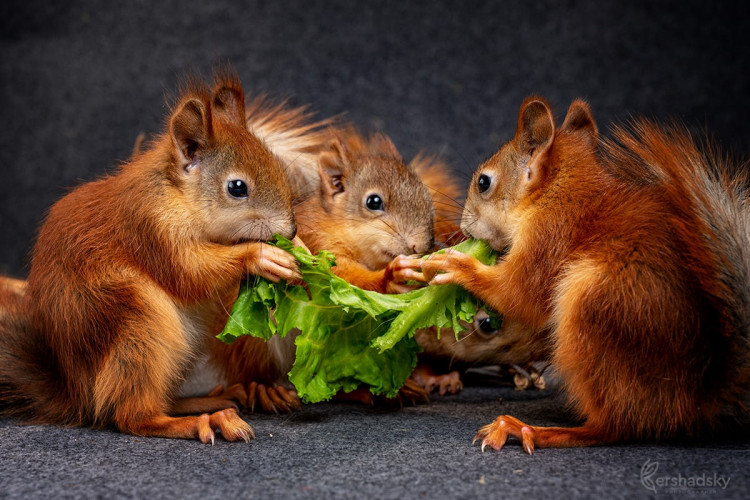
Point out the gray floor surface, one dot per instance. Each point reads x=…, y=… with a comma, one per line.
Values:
x=338, y=450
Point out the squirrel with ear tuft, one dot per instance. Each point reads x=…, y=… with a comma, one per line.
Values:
x=130, y=274
x=359, y=200
x=632, y=256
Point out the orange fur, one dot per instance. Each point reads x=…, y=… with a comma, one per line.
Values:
x=350, y=166
x=130, y=273
x=366, y=242
x=446, y=198
x=294, y=137
x=637, y=262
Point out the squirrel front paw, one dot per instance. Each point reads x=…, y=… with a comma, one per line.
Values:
x=400, y=271
x=449, y=267
x=271, y=262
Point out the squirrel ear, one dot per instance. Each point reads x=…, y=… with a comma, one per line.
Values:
x=536, y=126
x=535, y=133
x=580, y=120
x=190, y=128
x=332, y=168
x=228, y=99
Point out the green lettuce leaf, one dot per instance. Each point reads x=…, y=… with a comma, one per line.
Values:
x=349, y=336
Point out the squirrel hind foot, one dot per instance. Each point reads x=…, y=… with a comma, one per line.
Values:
x=496, y=434
x=203, y=427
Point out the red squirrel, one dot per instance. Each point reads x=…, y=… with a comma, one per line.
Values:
x=363, y=203
x=332, y=219
x=633, y=254
x=334, y=216
x=255, y=370
x=480, y=343
x=130, y=274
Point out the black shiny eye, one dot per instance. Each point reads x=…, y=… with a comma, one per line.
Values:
x=237, y=188
x=483, y=183
x=486, y=325
x=374, y=202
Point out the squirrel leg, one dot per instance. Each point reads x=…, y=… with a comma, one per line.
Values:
x=217, y=399
x=358, y=395
x=411, y=393
x=496, y=434
x=228, y=422
x=399, y=272
x=140, y=370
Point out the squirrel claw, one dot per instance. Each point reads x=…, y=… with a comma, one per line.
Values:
x=272, y=399
x=232, y=427
x=448, y=383
x=414, y=393
x=496, y=434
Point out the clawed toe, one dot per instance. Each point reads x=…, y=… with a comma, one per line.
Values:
x=496, y=434
x=414, y=393
x=232, y=427
x=272, y=399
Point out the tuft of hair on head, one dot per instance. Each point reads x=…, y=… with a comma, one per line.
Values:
x=381, y=145
x=227, y=96
x=190, y=86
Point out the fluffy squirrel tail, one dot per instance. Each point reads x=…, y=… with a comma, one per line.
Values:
x=711, y=195
x=447, y=198
x=292, y=135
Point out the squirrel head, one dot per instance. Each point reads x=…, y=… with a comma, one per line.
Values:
x=379, y=202
x=505, y=187
x=234, y=186
x=483, y=342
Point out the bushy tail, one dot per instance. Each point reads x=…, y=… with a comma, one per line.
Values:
x=293, y=136
x=447, y=198
x=16, y=370
x=710, y=194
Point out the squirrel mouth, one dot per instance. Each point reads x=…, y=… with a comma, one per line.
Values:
x=240, y=241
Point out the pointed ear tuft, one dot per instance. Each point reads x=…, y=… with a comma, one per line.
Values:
x=381, y=145
x=536, y=125
x=228, y=98
x=580, y=120
x=190, y=129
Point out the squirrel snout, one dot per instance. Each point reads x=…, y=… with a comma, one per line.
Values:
x=419, y=246
x=291, y=231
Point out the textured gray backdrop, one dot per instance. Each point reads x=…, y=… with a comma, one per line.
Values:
x=80, y=80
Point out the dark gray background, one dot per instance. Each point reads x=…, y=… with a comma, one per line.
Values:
x=80, y=80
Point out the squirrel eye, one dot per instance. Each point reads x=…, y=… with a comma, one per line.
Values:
x=374, y=202
x=483, y=183
x=486, y=325
x=237, y=188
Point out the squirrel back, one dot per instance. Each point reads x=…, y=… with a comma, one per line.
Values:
x=634, y=258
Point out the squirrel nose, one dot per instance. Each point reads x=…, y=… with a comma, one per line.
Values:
x=420, y=246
